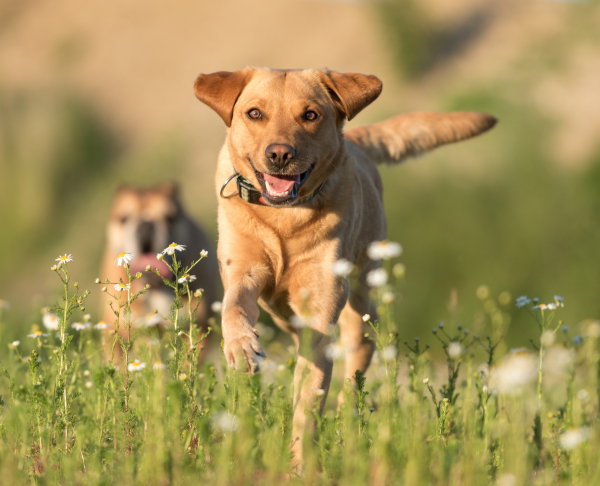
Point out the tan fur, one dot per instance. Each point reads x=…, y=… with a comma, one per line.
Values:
x=276, y=256
x=159, y=206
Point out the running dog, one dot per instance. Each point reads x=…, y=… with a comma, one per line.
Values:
x=307, y=195
x=144, y=222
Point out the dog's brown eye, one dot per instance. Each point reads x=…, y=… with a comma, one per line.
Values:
x=310, y=116
x=255, y=114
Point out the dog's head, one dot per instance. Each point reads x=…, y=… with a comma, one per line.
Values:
x=144, y=222
x=285, y=125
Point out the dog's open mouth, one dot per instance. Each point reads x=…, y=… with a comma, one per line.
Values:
x=281, y=188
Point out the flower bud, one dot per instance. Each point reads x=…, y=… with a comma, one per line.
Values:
x=76, y=284
x=426, y=380
x=138, y=275
x=148, y=268
x=97, y=280
x=104, y=289
x=203, y=253
x=82, y=308
x=160, y=257
x=366, y=318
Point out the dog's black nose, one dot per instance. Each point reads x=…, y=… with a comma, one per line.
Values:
x=145, y=235
x=280, y=153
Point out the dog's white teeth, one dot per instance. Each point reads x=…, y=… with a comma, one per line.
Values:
x=275, y=193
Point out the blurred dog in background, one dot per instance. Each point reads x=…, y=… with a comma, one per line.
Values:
x=144, y=222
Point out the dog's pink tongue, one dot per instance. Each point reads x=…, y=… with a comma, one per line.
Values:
x=281, y=183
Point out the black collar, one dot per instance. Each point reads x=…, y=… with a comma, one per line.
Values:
x=250, y=194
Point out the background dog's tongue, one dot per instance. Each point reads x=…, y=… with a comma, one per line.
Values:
x=281, y=183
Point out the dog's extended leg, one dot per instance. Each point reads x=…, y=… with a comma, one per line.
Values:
x=359, y=349
x=243, y=286
x=312, y=373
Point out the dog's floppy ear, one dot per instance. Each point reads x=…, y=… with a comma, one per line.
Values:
x=221, y=90
x=169, y=189
x=351, y=91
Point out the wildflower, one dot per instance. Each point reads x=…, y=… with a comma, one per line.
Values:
x=87, y=317
x=426, y=380
x=104, y=289
x=187, y=278
x=149, y=320
x=159, y=365
x=198, y=293
x=573, y=437
x=182, y=376
x=89, y=384
x=37, y=334
x=342, y=268
x=216, y=306
x=137, y=365
x=79, y=326
x=564, y=329
x=399, y=270
x=148, y=268
x=384, y=250
x=335, y=351
x=50, y=321
x=14, y=344
x=388, y=298
x=120, y=287
x=514, y=372
x=101, y=325
x=320, y=392
x=371, y=409
x=86, y=373
x=390, y=353
x=170, y=250
x=482, y=292
x=160, y=256
x=97, y=281
x=225, y=421
x=522, y=301
x=63, y=260
x=577, y=340
x=377, y=277
x=366, y=318
x=203, y=253
x=559, y=301
x=455, y=349
x=123, y=259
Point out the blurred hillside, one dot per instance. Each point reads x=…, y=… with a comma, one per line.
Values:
x=98, y=94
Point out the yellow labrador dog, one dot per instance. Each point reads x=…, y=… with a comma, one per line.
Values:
x=307, y=195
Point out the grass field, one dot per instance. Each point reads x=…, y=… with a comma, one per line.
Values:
x=150, y=415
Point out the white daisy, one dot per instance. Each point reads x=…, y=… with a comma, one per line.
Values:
x=366, y=318
x=123, y=259
x=101, y=325
x=187, y=278
x=159, y=365
x=384, y=250
x=137, y=365
x=342, y=268
x=149, y=320
x=63, y=260
x=455, y=349
x=182, y=376
x=390, y=353
x=50, y=321
x=120, y=287
x=170, y=250
x=335, y=351
x=89, y=384
x=198, y=293
x=37, y=334
x=203, y=253
x=559, y=301
x=320, y=392
x=377, y=277
x=14, y=344
x=80, y=326
x=573, y=437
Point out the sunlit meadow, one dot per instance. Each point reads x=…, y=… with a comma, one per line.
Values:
x=130, y=402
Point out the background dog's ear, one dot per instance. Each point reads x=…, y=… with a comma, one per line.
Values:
x=170, y=189
x=221, y=90
x=351, y=91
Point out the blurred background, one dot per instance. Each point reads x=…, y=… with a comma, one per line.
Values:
x=96, y=94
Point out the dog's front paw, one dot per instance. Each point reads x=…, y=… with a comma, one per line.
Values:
x=243, y=351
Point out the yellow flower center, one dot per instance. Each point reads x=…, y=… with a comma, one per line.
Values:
x=135, y=364
x=38, y=333
x=172, y=245
x=186, y=275
x=63, y=258
x=158, y=363
x=122, y=254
